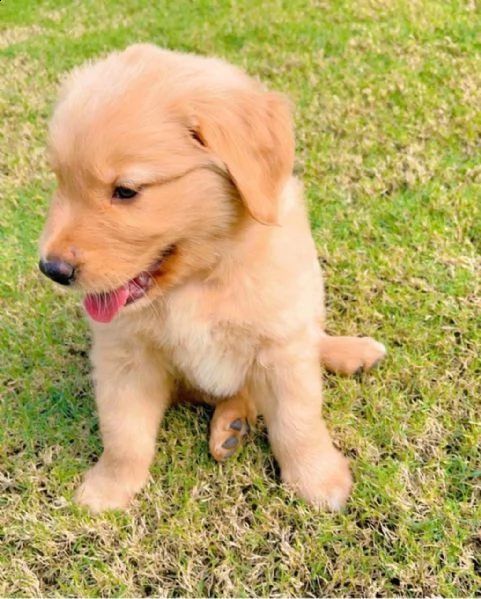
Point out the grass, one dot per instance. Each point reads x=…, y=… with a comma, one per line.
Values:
x=388, y=97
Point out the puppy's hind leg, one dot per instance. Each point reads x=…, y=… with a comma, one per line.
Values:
x=231, y=422
x=350, y=355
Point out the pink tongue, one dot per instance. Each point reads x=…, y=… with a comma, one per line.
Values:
x=104, y=306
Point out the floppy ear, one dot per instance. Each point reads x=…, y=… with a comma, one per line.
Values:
x=252, y=133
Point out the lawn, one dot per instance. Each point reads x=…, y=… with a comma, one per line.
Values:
x=388, y=118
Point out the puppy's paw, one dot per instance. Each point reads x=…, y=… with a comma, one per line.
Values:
x=351, y=355
x=326, y=484
x=371, y=354
x=231, y=423
x=226, y=437
x=101, y=491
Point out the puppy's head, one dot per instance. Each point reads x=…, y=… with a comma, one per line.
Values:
x=160, y=158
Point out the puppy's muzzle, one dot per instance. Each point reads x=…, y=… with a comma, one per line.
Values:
x=59, y=271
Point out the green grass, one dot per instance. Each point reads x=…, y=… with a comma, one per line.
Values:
x=388, y=97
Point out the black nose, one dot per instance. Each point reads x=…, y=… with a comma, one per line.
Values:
x=58, y=270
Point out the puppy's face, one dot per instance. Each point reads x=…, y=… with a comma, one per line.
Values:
x=160, y=158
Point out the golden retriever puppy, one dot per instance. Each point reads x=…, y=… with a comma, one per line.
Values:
x=178, y=218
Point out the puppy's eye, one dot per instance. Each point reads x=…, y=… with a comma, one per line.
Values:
x=124, y=193
x=197, y=137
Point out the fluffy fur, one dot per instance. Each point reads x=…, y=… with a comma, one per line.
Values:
x=236, y=314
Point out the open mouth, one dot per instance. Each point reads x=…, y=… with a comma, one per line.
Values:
x=104, y=306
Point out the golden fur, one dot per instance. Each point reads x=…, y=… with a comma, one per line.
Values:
x=236, y=313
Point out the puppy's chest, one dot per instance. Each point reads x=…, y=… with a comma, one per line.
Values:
x=211, y=353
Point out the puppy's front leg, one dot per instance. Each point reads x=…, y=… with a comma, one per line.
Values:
x=287, y=391
x=132, y=393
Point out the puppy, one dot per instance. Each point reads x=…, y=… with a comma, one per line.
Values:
x=178, y=218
